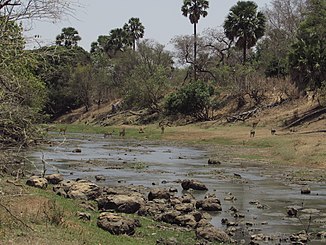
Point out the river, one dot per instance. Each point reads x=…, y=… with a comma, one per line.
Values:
x=263, y=194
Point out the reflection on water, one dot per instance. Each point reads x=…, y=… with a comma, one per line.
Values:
x=157, y=162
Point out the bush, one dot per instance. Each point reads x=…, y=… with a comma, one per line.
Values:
x=192, y=99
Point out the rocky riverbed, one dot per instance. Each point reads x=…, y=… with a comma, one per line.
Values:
x=220, y=197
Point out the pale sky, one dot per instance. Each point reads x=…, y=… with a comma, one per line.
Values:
x=162, y=20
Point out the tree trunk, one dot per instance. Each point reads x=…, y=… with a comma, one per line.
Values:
x=134, y=45
x=195, y=51
x=245, y=50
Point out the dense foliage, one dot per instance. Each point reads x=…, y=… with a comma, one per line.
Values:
x=193, y=99
x=308, y=54
x=22, y=95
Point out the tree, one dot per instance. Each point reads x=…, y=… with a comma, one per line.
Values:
x=119, y=40
x=283, y=20
x=193, y=99
x=149, y=78
x=81, y=83
x=36, y=9
x=100, y=44
x=22, y=95
x=245, y=25
x=135, y=29
x=195, y=9
x=69, y=37
x=308, y=55
x=55, y=67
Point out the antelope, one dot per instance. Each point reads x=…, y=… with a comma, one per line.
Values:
x=122, y=132
x=273, y=131
x=162, y=126
x=252, y=133
x=108, y=134
x=141, y=130
x=255, y=123
x=62, y=130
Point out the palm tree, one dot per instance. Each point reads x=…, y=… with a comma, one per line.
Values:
x=68, y=37
x=118, y=40
x=244, y=25
x=135, y=29
x=100, y=44
x=195, y=9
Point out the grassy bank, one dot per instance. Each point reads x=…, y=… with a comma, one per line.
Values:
x=33, y=216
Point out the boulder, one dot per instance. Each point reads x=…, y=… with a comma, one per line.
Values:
x=292, y=212
x=184, y=207
x=84, y=216
x=299, y=237
x=159, y=194
x=80, y=189
x=63, y=186
x=116, y=224
x=169, y=217
x=212, y=234
x=186, y=220
x=54, y=179
x=100, y=178
x=321, y=234
x=177, y=218
x=193, y=184
x=121, y=203
x=209, y=204
x=37, y=182
x=305, y=190
x=213, y=162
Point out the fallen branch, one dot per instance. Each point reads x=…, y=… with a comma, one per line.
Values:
x=242, y=116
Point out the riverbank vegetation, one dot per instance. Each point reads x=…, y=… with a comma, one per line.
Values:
x=227, y=74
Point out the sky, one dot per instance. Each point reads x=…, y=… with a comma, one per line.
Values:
x=163, y=20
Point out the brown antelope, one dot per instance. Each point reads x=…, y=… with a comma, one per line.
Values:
x=122, y=132
x=162, y=129
x=255, y=123
x=141, y=130
x=62, y=130
x=162, y=126
x=108, y=134
x=273, y=131
x=252, y=133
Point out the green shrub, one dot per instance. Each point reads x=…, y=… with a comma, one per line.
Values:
x=192, y=99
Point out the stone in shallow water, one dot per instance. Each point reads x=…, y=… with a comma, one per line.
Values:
x=305, y=190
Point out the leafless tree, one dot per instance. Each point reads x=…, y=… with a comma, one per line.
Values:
x=51, y=10
x=285, y=16
x=218, y=44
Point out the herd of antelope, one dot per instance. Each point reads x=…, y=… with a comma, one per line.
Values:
x=162, y=125
x=122, y=132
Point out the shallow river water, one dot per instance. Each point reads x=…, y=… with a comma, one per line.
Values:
x=128, y=162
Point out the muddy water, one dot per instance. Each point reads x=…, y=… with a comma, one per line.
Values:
x=262, y=193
